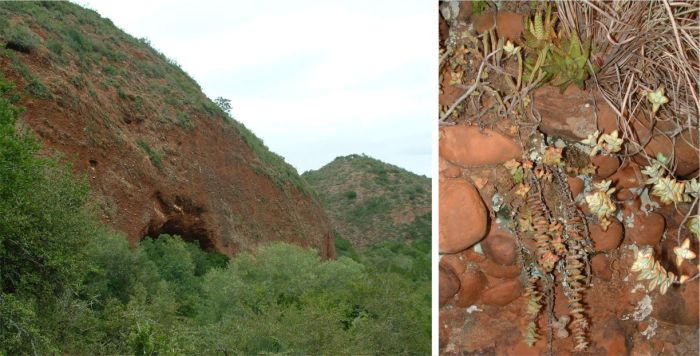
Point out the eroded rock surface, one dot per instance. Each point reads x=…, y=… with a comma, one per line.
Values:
x=463, y=219
x=164, y=163
x=502, y=293
x=500, y=248
x=606, y=240
x=605, y=166
x=469, y=146
x=646, y=229
x=570, y=114
x=449, y=285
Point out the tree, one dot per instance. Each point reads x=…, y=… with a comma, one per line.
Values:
x=43, y=231
x=223, y=104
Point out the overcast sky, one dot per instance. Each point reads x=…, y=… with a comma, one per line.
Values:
x=313, y=79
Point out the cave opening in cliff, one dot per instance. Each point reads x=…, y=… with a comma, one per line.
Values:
x=18, y=46
x=186, y=230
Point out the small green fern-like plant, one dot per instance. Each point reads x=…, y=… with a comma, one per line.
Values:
x=561, y=243
x=533, y=306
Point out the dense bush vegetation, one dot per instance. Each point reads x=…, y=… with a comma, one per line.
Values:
x=408, y=256
x=70, y=286
x=364, y=197
x=42, y=233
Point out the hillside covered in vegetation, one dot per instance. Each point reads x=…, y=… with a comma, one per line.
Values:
x=381, y=217
x=70, y=285
x=117, y=224
x=162, y=158
x=370, y=201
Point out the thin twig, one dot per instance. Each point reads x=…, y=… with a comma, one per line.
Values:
x=471, y=88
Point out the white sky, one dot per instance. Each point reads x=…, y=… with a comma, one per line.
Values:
x=313, y=79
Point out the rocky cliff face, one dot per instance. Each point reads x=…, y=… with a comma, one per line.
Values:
x=160, y=156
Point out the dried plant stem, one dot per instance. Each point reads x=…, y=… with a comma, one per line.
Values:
x=681, y=52
x=470, y=89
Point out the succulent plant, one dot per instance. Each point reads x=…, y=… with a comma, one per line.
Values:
x=650, y=269
x=539, y=32
x=665, y=186
x=601, y=204
x=567, y=63
x=563, y=60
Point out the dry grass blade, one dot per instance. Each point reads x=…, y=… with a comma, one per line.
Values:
x=640, y=46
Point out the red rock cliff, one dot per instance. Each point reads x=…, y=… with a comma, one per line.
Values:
x=160, y=156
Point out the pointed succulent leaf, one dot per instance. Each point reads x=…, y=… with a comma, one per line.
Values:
x=683, y=252
x=691, y=187
x=693, y=225
x=657, y=98
x=645, y=274
x=552, y=156
x=654, y=172
x=669, y=190
x=510, y=49
x=603, y=185
x=664, y=285
x=653, y=282
x=610, y=142
x=661, y=158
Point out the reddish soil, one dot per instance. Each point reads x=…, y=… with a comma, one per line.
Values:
x=207, y=190
x=486, y=312
x=487, y=316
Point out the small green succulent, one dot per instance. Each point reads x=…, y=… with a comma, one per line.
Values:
x=562, y=60
x=539, y=31
x=568, y=63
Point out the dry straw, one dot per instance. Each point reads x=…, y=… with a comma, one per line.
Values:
x=643, y=46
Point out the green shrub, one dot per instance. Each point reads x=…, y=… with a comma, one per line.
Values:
x=370, y=207
x=77, y=41
x=122, y=94
x=42, y=233
x=183, y=121
x=55, y=47
x=22, y=39
x=344, y=248
x=109, y=70
x=152, y=70
x=280, y=171
x=223, y=104
x=350, y=194
x=155, y=157
x=108, y=52
x=209, y=108
x=38, y=89
x=18, y=66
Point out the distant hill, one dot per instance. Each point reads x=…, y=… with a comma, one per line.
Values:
x=370, y=201
x=160, y=156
